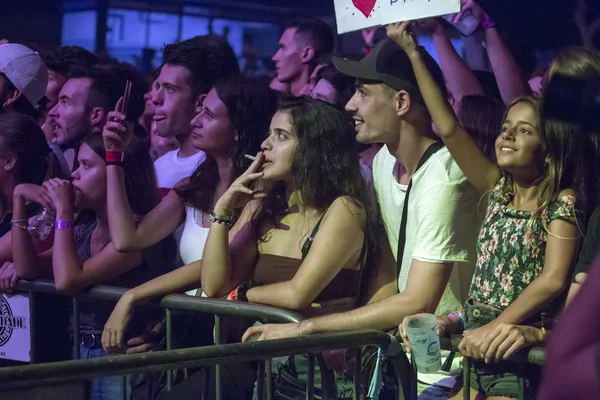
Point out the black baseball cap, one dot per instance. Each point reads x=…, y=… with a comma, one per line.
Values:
x=389, y=64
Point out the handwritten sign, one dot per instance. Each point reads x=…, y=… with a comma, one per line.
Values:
x=352, y=15
x=15, y=328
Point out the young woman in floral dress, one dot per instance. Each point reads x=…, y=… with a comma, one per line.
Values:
x=530, y=236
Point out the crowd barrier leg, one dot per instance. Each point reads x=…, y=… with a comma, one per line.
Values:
x=466, y=378
x=521, y=388
x=218, y=393
x=76, y=337
x=260, y=380
x=310, y=378
x=269, y=378
x=357, y=374
x=169, y=322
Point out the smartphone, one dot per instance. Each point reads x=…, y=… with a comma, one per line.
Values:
x=467, y=25
x=126, y=98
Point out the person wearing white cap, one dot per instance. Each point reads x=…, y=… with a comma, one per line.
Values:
x=23, y=80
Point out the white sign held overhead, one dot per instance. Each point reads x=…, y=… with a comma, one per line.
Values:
x=352, y=15
x=15, y=331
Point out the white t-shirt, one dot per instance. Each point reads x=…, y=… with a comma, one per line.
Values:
x=170, y=168
x=442, y=222
x=442, y=226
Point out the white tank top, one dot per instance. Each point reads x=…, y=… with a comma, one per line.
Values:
x=193, y=239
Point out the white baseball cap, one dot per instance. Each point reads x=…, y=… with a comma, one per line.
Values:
x=25, y=69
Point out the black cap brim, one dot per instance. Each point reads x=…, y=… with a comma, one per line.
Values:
x=354, y=69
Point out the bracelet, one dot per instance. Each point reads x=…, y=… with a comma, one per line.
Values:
x=12, y=221
x=114, y=157
x=457, y=317
x=488, y=22
x=15, y=223
x=62, y=224
x=220, y=219
x=117, y=163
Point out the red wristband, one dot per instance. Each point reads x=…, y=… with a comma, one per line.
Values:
x=233, y=295
x=114, y=156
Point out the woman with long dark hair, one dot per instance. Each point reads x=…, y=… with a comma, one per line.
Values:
x=301, y=240
x=233, y=122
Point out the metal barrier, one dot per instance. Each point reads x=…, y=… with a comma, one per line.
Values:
x=76, y=370
x=68, y=371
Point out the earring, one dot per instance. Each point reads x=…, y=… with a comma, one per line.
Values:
x=4, y=105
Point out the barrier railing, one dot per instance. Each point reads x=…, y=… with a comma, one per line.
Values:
x=77, y=370
x=210, y=355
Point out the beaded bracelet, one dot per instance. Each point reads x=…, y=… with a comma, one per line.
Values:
x=220, y=219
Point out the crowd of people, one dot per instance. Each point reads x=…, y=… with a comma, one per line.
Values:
x=359, y=192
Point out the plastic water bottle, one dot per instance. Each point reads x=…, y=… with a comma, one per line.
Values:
x=467, y=23
x=42, y=224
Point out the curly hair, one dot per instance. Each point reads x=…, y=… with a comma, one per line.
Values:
x=250, y=106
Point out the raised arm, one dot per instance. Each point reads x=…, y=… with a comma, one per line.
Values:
x=508, y=73
x=478, y=169
x=226, y=261
x=127, y=236
x=69, y=274
x=29, y=264
x=160, y=222
x=460, y=80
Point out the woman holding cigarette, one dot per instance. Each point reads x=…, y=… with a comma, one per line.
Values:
x=233, y=122
x=301, y=240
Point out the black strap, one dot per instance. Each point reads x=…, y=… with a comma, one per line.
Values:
x=431, y=150
x=308, y=242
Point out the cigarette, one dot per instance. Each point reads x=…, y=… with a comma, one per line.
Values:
x=249, y=157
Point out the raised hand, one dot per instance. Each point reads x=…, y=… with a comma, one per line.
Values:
x=475, y=8
x=402, y=35
x=239, y=193
x=34, y=193
x=587, y=30
x=118, y=131
x=61, y=193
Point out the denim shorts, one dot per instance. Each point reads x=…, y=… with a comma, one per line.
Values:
x=106, y=387
x=500, y=380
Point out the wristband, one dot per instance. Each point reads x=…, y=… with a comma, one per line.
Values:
x=233, y=295
x=62, y=224
x=220, y=219
x=114, y=157
x=457, y=317
x=488, y=22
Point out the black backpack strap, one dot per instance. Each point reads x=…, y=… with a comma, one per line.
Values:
x=431, y=150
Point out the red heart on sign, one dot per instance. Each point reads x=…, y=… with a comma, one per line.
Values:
x=364, y=6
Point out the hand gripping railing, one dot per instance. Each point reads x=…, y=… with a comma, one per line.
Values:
x=404, y=373
x=534, y=355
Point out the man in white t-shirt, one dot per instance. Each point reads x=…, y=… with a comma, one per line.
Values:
x=189, y=71
x=442, y=222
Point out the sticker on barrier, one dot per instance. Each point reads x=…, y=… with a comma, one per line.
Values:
x=353, y=15
x=15, y=332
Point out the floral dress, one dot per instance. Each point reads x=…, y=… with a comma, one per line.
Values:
x=511, y=248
